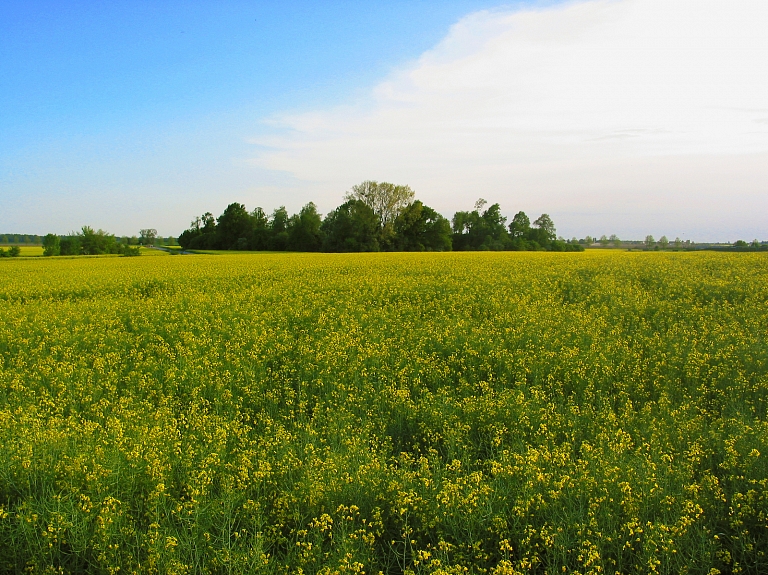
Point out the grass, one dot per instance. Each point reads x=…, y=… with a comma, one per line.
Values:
x=601, y=412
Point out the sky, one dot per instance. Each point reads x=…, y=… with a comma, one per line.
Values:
x=631, y=117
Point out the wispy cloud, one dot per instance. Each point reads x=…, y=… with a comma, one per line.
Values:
x=511, y=105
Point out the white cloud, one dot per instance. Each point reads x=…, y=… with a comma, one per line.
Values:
x=624, y=114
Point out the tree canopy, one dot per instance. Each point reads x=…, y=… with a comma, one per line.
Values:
x=375, y=216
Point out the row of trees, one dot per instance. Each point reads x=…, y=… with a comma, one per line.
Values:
x=32, y=239
x=375, y=216
x=86, y=242
x=486, y=229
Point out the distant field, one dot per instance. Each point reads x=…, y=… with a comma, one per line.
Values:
x=231, y=253
x=27, y=251
x=152, y=252
x=446, y=413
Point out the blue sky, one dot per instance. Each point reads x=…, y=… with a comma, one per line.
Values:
x=123, y=115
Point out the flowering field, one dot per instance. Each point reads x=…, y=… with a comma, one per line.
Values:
x=433, y=413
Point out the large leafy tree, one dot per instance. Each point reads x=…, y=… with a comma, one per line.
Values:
x=278, y=240
x=478, y=230
x=261, y=230
x=420, y=228
x=543, y=231
x=95, y=242
x=234, y=228
x=520, y=225
x=304, y=233
x=352, y=227
x=201, y=233
x=147, y=236
x=51, y=245
x=387, y=201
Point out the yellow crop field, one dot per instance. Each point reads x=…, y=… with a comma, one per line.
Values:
x=498, y=413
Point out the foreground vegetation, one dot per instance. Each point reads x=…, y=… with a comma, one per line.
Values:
x=433, y=413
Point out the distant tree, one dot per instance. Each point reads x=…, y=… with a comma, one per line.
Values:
x=740, y=244
x=201, y=234
x=386, y=200
x=755, y=244
x=589, y=240
x=208, y=223
x=352, y=227
x=462, y=222
x=663, y=242
x=147, y=236
x=494, y=228
x=51, y=245
x=70, y=245
x=604, y=241
x=476, y=231
x=615, y=241
x=261, y=231
x=304, y=233
x=649, y=242
x=420, y=228
x=543, y=230
x=234, y=224
x=279, y=226
x=279, y=220
x=678, y=243
x=520, y=225
x=97, y=242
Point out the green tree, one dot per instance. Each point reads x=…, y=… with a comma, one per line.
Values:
x=261, y=231
x=304, y=234
x=615, y=241
x=70, y=245
x=233, y=226
x=352, y=227
x=97, y=242
x=279, y=226
x=543, y=230
x=385, y=199
x=520, y=225
x=663, y=242
x=147, y=237
x=420, y=228
x=480, y=231
x=649, y=242
x=51, y=245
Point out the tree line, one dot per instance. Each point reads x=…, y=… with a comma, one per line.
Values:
x=6, y=239
x=98, y=242
x=87, y=242
x=375, y=216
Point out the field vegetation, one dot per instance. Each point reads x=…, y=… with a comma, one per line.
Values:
x=500, y=413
